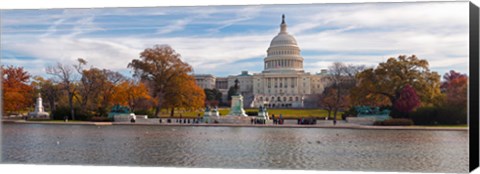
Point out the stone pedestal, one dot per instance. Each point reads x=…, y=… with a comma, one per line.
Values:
x=215, y=113
x=210, y=116
x=124, y=117
x=236, y=108
x=263, y=115
x=39, y=112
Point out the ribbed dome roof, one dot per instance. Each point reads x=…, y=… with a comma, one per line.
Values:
x=283, y=38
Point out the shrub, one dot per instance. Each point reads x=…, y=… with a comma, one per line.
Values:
x=100, y=119
x=424, y=116
x=349, y=113
x=394, y=122
x=445, y=115
x=38, y=119
x=62, y=111
x=147, y=112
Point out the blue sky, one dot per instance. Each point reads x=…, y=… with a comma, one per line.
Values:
x=224, y=40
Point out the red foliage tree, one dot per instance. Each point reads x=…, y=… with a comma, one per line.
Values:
x=451, y=78
x=455, y=86
x=17, y=94
x=407, y=101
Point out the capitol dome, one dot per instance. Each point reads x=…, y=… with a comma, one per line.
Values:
x=283, y=39
x=283, y=55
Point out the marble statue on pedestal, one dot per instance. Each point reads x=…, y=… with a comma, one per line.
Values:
x=39, y=111
x=236, y=108
x=210, y=115
x=215, y=112
x=207, y=112
x=262, y=113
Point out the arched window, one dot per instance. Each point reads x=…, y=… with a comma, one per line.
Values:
x=296, y=98
x=284, y=98
x=290, y=99
x=278, y=99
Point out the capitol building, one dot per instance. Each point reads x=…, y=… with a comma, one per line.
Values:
x=282, y=84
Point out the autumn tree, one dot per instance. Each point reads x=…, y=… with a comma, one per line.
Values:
x=90, y=88
x=96, y=88
x=160, y=68
x=329, y=101
x=341, y=78
x=389, y=78
x=65, y=75
x=407, y=101
x=113, y=79
x=186, y=95
x=49, y=90
x=131, y=93
x=455, y=87
x=16, y=91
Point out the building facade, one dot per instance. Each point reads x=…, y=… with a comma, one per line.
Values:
x=205, y=81
x=283, y=83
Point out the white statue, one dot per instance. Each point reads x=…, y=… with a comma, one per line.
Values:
x=39, y=112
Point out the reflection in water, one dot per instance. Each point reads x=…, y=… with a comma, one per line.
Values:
x=237, y=147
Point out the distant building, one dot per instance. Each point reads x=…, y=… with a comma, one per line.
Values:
x=205, y=81
x=282, y=84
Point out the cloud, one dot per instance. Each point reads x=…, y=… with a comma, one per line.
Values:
x=354, y=33
x=244, y=14
x=175, y=26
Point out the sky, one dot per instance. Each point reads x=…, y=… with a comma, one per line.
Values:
x=225, y=40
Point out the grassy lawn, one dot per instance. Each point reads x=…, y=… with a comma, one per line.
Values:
x=48, y=120
x=286, y=113
x=449, y=126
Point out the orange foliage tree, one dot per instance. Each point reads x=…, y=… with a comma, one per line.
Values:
x=166, y=77
x=131, y=94
x=17, y=94
x=185, y=94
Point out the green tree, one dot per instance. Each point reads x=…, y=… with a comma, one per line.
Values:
x=213, y=96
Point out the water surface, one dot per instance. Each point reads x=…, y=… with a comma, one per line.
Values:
x=237, y=147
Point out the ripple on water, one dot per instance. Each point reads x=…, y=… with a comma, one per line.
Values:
x=225, y=147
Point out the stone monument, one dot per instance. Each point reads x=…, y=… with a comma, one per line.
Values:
x=262, y=113
x=206, y=114
x=236, y=108
x=39, y=112
x=121, y=114
x=215, y=112
x=210, y=115
x=367, y=115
